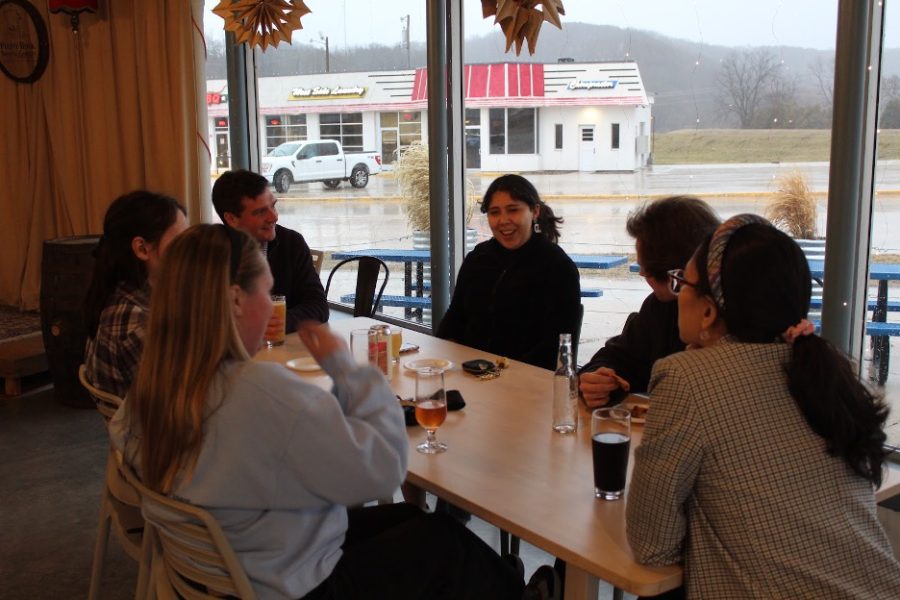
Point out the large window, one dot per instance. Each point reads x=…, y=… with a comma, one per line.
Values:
x=398, y=130
x=284, y=128
x=347, y=128
x=513, y=130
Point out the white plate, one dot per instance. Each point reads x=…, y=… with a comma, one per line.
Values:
x=428, y=363
x=635, y=401
x=304, y=365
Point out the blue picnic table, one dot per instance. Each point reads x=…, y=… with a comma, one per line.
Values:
x=415, y=288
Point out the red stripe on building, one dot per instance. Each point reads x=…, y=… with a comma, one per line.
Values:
x=497, y=81
x=491, y=81
x=512, y=76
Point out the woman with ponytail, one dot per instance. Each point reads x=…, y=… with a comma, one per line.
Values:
x=762, y=449
x=519, y=290
x=137, y=229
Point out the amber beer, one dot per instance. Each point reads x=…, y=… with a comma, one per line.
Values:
x=279, y=307
x=431, y=414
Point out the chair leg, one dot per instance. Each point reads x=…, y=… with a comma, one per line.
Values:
x=514, y=544
x=100, y=546
x=504, y=543
x=143, y=590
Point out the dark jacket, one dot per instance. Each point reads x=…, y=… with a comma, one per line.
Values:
x=515, y=303
x=648, y=335
x=296, y=277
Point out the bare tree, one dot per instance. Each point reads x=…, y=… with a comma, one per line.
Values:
x=823, y=72
x=744, y=80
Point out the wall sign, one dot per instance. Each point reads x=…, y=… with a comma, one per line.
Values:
x=24, y=45
x=327, y=93
x=593, y=84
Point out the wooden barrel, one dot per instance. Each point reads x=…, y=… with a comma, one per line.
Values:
x=66, y=269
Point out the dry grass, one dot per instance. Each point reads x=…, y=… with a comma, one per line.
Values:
x=793, y=209
x=698, y=146
x=412, y=177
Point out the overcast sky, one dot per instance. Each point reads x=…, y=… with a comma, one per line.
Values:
x=804, y=23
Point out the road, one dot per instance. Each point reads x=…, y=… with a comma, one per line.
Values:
x=595, y=205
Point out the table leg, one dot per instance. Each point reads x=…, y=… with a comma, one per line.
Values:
x=580, y=585
x=881, y=344
x=407, y=286
x=420, y=287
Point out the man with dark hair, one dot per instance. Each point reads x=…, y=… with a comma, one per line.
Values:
x=666, y=233
x=244, y=201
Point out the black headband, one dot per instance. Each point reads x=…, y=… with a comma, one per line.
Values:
x=237, y=245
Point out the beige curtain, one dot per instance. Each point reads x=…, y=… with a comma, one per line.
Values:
x=118, y=108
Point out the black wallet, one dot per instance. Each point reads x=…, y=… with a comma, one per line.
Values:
x=454, y=402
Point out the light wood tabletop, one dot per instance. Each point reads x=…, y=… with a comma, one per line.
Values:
x=507, y=466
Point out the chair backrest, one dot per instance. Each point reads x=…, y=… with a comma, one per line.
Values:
x=107, y=404
x=576, y=335
x=191, y=557
x=366, y=300
x=317, y=257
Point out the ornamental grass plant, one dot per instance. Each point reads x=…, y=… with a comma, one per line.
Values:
x=412, y=177
x=793, y=209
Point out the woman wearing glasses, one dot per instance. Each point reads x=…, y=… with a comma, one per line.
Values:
x=761, y=448
x=275, y=459
x=666, y=232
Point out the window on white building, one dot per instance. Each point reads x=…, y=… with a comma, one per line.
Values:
x=513, y=130
x=615, y=136
x=347, y=128
x=398, y=130
x=284, y=128
x=558, y=136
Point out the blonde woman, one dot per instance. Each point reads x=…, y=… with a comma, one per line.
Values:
x=276, y=460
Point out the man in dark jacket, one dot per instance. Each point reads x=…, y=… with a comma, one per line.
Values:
x=666, y=233
x=244, y=201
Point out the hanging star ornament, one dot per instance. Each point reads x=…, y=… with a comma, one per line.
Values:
x=262, y=22
x=521, y=20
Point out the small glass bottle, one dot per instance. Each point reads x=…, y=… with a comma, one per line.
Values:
x=379, y=347
x=565, y=389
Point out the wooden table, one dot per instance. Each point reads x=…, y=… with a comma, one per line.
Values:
x=507, y=466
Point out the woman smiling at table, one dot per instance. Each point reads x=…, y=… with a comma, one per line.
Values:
x=761, y=448
x=277, y=460
x=517, y=291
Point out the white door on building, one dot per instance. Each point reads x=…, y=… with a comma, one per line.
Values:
x=587, y=148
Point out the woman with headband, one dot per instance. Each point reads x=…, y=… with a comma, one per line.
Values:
x=762, y=448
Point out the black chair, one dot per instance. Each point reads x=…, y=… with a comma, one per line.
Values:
x=366, y=301
x=576, y=336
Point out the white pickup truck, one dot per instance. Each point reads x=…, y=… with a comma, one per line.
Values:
x=318, y=160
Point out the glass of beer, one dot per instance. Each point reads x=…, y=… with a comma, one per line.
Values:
x=279, y=308
x=610, y=441
x=431, y=407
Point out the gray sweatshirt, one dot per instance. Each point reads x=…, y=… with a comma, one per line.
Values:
x=282, y=459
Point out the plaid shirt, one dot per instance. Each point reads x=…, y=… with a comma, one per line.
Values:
x=730, y=479
x=111, y=356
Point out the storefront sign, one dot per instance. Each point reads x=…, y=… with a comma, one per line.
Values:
x=327, y=93
x=24, y=47
x=216, y=98
x=593, y=84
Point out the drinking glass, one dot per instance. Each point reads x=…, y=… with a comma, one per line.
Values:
x=359, y=346
x=431, y=407
x=279, y=307
x=610, y=441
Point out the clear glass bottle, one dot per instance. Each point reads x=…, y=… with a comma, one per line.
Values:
x=565, y=389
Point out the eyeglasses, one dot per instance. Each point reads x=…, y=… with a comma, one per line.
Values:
x=677, y=281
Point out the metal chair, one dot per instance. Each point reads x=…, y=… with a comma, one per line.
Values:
x=366, y=300
x=186, y=551
x=120, y=504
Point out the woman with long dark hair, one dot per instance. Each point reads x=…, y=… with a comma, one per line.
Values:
x=137, y=229
x=519, y=290
x=761, y=448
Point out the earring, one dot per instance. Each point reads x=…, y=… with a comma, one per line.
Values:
x=704, y=335
x=536, y=226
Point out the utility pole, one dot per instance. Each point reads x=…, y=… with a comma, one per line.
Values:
x=327, y=56
x=404, y=43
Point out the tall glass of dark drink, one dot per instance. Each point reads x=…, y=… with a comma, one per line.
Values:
x=431, y=407
x=611, y=441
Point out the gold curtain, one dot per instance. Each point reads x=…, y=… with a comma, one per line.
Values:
x=118, y=108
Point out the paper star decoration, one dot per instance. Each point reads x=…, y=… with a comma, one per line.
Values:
x=262, y=22
x=521, y=20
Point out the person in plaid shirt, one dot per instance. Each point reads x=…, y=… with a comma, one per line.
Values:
x=136, y=230
x=761, y=448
